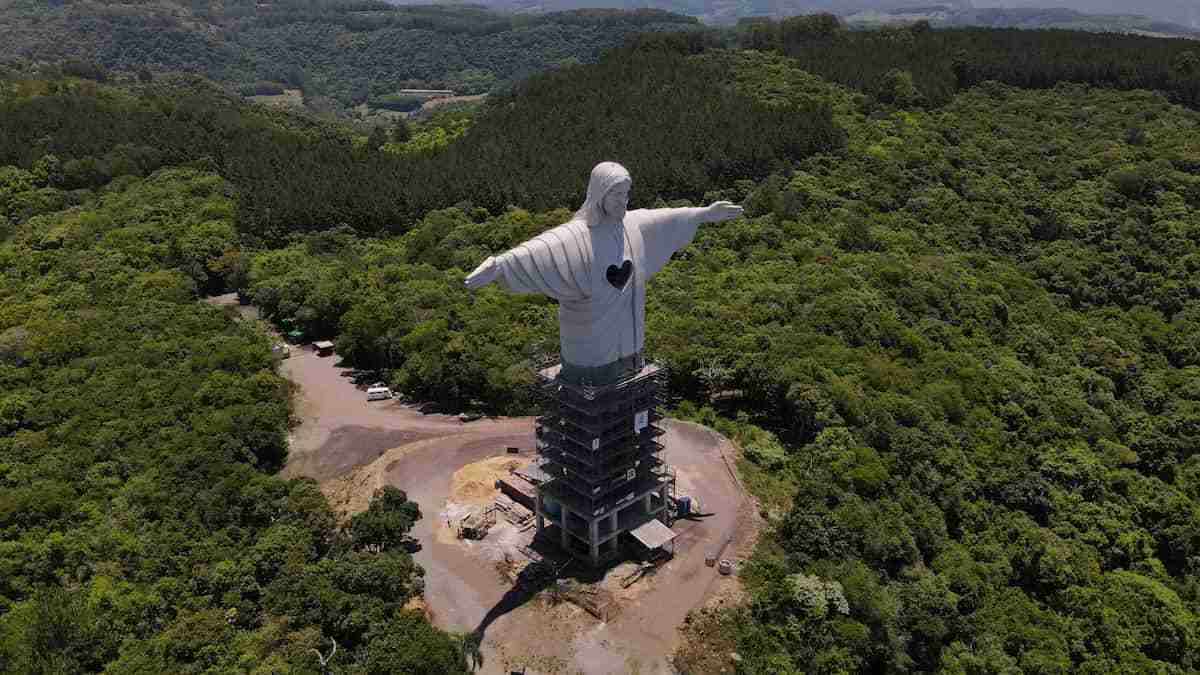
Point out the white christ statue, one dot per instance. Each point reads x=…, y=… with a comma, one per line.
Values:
x=596, y=266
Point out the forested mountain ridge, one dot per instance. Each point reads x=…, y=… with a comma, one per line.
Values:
x=336, y=180
x=1101, y=15
x=349, y=51
x=98, y=132
x=1180, y=11
x=1027, y=18
x=943, y=61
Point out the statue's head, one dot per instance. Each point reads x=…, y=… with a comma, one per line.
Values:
x=607, y=195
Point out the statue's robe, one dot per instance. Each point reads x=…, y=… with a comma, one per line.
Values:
x=599, y=325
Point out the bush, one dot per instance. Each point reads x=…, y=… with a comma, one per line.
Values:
x=84, y=69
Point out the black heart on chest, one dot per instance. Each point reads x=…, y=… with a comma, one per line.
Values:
x=617, y=276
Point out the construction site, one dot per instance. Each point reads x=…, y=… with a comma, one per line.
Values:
x=537, y=606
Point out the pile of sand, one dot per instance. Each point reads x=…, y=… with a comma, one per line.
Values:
x=476, y=483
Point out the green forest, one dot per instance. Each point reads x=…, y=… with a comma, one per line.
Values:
x=343, y=51
x=142, y=528
x=956, y=339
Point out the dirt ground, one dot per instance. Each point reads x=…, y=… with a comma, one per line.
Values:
x=353, y=447
x=464, y=591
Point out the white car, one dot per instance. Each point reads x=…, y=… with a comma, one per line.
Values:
x=378, y=393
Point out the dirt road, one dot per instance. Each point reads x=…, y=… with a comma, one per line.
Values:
x=340, y=429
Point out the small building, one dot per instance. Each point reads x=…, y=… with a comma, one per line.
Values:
x=654, y=536
x=324, y=348
x=427, y=93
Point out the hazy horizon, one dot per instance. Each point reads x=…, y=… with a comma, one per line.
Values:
x=1186, y=12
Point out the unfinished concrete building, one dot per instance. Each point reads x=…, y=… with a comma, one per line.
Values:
x=605, y=474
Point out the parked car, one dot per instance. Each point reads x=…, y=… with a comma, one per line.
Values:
x=378, y=393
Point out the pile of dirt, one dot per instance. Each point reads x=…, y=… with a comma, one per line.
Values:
x=417, y=603
x=350, y=493
x=476, y=483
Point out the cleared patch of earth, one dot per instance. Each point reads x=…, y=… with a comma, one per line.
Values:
x=354, y=447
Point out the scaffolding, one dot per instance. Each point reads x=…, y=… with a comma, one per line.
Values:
x=599, y=448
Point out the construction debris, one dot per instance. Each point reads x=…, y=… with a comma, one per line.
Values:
x=637, y=574
x=476, y=525
x=519, y=490
x=513, y=512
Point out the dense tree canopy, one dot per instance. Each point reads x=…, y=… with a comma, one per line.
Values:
x=655, y=108
x=140, y=528
x=955, y=336
x=960, y=358
x=944, y=61
x=351, y=51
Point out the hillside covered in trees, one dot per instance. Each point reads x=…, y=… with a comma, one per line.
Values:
x=692, y=135
x=348, y=51
x=945, y=61
x=956, y=337
x=141, y=528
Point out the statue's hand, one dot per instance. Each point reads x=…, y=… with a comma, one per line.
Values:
x=719, y=211
x=487, y=272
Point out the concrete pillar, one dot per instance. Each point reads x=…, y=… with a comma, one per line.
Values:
x=593, y=540
x=615, y=521
x=646, y=508
x=566, y=542
x=541, y=522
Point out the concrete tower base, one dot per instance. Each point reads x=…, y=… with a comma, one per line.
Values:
x=599, y=447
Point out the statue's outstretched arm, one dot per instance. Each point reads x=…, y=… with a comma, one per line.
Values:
x=691, y=216
x=487, y=272
x=719, y=211
x=665, y=231
x=540, y=265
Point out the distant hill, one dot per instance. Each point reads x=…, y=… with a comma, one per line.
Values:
x=341, y=53
x=1168, y=17
x=1031, y=18
x=721, y=11
x=1183, y=12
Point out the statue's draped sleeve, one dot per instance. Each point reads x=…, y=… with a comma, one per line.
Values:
x=664, y=232
x=554, y=263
